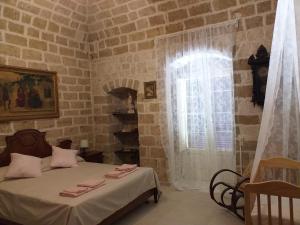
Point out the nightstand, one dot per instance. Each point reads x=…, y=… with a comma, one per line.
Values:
x=92, y=156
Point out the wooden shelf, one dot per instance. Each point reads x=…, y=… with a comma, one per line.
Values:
x=122, y=92
x=122, y=151
x=128, y=151
x=131, y=156
x=121, y=133
x=126, y=116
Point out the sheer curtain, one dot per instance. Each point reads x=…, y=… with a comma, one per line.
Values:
x=195, y=74
x=280, y=129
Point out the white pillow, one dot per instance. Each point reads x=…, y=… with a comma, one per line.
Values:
x=80, y=159
x=22, y=166
x=47, y=161
x=63, y=157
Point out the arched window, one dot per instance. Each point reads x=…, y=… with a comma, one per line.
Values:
x=195, y=74
x=203, y=86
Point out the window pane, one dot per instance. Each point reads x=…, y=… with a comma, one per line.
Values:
x=196, y=123
x=197, y=140
x=223, y=102
x=209, y=101
x=223, y=121
x=222, y=83
x=224, y=141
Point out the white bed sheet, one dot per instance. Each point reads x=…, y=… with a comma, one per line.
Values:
x=36, y=201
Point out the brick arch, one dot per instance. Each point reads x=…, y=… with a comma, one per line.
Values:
x=117, y=83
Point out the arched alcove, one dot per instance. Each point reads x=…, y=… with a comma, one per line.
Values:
x=124, y=125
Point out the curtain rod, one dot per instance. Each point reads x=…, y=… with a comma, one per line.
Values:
x=233, y=21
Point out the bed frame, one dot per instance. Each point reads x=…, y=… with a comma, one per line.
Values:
x=32, y=142
x=277, y=188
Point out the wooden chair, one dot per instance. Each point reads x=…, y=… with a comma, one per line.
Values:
x=280, y=196
x=235, y=191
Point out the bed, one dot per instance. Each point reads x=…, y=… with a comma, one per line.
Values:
x=36, y=200
x=274, y=201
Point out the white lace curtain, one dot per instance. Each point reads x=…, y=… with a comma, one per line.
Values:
x=280, y=129
x=195, y=74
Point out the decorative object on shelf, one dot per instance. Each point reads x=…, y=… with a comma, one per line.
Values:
x=130, y=105
x=134, y=131
x=150, y=89
x=27, y=94
x=129, y=128
x=130, y=149
x=125, y=129
x=84, y=145
x=260, y=66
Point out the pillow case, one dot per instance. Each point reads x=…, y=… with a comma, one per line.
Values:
x=63, y=157
x=23, y=166
x=46, y=164
x=47, y=161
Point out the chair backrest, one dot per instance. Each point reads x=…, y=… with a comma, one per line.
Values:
x=273, y=190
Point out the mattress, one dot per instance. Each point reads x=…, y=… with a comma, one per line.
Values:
x=36, y=201
x=274, y=211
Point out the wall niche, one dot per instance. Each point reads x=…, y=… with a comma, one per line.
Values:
x=125, y=125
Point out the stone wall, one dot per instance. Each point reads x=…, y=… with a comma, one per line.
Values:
x=122, y=39
x=119, y=35
x=51, y=35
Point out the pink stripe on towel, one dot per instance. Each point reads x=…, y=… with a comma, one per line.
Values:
x=91, y=183
x=68, y=192
x=75, y=189
x=73, y=194
x=118, y=174
x=126, y=167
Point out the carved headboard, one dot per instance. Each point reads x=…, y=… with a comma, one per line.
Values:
x=27, y=142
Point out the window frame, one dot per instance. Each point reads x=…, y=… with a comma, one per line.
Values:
x=182, y=115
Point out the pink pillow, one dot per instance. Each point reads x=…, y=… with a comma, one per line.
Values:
x=23, y=166
x=63, y=157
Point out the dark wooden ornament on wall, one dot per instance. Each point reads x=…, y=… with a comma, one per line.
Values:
x=260, y=66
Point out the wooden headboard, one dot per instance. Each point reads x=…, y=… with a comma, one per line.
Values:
x=27, y=142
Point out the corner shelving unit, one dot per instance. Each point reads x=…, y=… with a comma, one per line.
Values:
x=128, y=136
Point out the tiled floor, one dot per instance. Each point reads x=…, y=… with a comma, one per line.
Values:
x=180, y=208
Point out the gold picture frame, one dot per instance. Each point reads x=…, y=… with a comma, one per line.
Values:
x=27, y=94
x=150, y=89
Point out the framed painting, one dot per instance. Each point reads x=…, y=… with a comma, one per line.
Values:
x=27, y=94
x=150, y=89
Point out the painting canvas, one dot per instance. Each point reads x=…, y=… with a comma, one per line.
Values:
x=150, y=89
x=27, y=94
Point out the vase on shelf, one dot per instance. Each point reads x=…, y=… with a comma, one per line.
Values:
x=130, y=105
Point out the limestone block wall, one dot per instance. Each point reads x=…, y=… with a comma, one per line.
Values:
x=51, y=35
x=96, y=45
x=122, y=40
